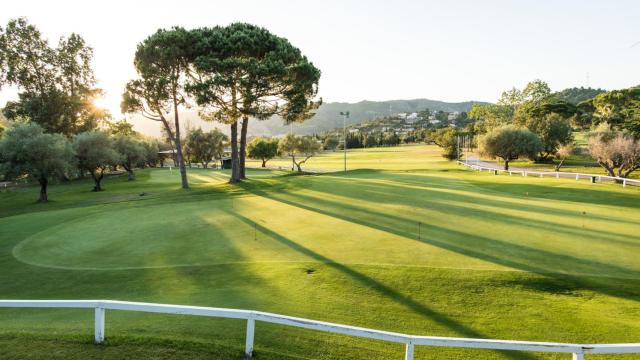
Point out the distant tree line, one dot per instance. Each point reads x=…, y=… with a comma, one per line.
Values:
x=299, y=148
x=538, y=124
x=27, y=151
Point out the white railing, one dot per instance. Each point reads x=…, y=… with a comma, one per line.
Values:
x=100, y=306
x=556, y=174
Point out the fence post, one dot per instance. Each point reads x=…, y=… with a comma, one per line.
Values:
x=99, y=325
x=557, y=175
x=624, y=183
x=577, y=176
x=248, y=347
x=578, y=356
x=408, y=355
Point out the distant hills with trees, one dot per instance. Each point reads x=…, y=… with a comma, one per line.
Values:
x=327, y=117
x=577, y=95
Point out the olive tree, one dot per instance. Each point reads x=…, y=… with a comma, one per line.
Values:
x=25, y=150
x=151, y=149
x=262, y=149
x=299, y=146
x=447, y=139
x=205, y=146
x=510, y=143
x=331, y=143
x=131, y=153
x=95, y=153
x=617, y=153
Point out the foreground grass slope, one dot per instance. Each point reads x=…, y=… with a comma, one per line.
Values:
x=404, y=242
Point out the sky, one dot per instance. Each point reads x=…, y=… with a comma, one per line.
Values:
x=455, y=50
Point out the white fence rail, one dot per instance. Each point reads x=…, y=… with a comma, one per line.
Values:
x=556, y=174
x=100, y=306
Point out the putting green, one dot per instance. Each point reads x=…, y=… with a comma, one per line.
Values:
x=389, y=218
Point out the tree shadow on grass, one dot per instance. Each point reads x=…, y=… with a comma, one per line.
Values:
x=381, y=288
x=598, y=194
x=498, y=252
x=455, y=204
x=473, y=193
x=442, y=198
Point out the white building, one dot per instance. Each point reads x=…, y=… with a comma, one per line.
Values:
x=413, y=117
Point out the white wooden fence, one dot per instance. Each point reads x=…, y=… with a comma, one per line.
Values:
x=100, y=306
x=556, y=174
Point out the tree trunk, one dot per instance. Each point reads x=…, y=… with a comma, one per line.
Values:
x=629, y=171
x=235, y=164
x=243, y=146
x=176, y=119
x=559, y=165
x=132, y=175
x=609, y=169
x=506, y=164
x=44, y=196
x=97, y=180
x=264, y=163
x=298, y=166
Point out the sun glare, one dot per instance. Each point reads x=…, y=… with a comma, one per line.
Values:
x=108, y=104
x=101, y=102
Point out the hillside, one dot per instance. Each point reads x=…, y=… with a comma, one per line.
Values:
x=327, y=116
x=576, y=95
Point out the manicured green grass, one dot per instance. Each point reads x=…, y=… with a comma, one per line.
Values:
x=408, y=242
x=383, y=158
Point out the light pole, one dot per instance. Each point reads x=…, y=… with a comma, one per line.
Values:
x=345, y=115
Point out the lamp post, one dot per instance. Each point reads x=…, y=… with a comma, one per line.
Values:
x=345, y=115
